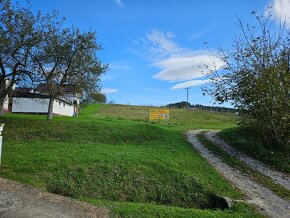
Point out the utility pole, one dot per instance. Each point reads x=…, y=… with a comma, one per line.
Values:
x=187, y=90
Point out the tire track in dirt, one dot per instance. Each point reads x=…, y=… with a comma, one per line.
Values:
x=263, y=198
x=277, y=177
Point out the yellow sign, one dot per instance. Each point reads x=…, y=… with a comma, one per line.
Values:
x=159, y=114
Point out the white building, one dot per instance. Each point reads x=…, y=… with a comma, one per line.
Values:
x=37, y=101
x=32, y=103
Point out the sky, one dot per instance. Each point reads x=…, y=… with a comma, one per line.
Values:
x=157, y=48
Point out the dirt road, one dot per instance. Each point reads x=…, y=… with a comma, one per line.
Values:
x=21, y=201
x=276, y=176
x=263, y=198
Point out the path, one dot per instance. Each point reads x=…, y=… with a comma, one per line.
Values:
x=269, y=203
x=277, y=177
x=21, y=201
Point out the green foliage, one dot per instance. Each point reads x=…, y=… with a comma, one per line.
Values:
x=182, y=104
x=93, y=98
x=39, y=49
x=256, y=79
x=66, y=57
x=215, y=108
x=19, y=33
x=98, y=97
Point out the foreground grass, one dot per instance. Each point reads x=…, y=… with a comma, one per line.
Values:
x=240, y=140
x=125, y=209
x=243, y=167
x=112, y=162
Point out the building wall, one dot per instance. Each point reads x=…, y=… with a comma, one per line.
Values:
x=62, y=108
x=40, y=105
x=30, y=105
x=71, y=98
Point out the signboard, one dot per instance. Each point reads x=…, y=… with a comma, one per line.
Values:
x=159, y=114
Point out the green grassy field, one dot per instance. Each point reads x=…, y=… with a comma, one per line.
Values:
x=111, y=156
x=181, y=119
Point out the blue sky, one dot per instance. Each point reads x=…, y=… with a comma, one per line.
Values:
x=155, y=48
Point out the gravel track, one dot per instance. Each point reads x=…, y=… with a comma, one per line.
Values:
x=263, y=198
x=277, y=177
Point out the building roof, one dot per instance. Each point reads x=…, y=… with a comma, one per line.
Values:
x=24, y=89
x=69, y=89
x=18, y=94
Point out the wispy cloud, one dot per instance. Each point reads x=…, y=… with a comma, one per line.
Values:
x=157, y=46
x=107, y=77
x=177, y=63
x=109, y=90
x=119, y=3
x=201, y=32
x=194, y=66
x=150, y=89
x=280, y=10
x=189, y=84
x=119, y=66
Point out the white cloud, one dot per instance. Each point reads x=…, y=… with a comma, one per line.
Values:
x=162, y=44
x=188, y=67
x=157, y=46
x=189, y=84
x=119, y=3
x=176, y=63
x=280, y=9
x=109, y=91
x=201, y=32
x=119, y=66
x=107, y=77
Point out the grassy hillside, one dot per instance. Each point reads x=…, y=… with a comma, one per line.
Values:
x=181, y=118
x=119, y=161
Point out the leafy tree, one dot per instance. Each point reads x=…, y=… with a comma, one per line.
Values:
x=256, y=78
x=90, y=98
x=67, y=57
x=98, y=97
x=182, y=104
x=19, y=34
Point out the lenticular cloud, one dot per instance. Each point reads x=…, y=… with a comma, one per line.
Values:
x=186, y=68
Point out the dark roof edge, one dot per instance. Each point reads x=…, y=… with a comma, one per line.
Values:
x=36, y=95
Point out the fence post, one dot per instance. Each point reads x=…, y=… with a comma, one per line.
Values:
x=1, y=130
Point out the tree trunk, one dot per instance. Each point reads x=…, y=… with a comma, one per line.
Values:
x=50, y=109
x=2, y=100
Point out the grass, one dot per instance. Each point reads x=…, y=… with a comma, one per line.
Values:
x=243, y=167
x=121, y=209
x=182, y=119
x=240, y=140
x=125, y=164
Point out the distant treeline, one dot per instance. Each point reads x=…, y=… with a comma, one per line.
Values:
x=184, y=104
